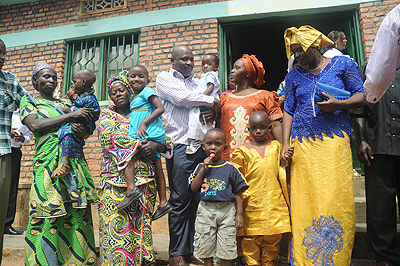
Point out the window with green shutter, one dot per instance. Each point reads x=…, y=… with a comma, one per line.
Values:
x=105, y=56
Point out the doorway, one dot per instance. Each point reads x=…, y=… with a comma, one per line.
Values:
x=264, y=38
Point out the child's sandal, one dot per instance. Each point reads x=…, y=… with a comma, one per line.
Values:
x=130, y=198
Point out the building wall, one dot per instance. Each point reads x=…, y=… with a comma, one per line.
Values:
x=53, y=13
x=155, y=44
x=371, y=16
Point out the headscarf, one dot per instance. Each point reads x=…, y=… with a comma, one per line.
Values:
x=306, y=36
x=254, y=68
x=120, y=78
x=37, y=69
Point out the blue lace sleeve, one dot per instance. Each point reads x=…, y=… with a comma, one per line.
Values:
x=351, y=78
x=290, y=96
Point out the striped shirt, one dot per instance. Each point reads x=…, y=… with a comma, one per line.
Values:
x=178, y=94
x=11, y=93
x=384, y=58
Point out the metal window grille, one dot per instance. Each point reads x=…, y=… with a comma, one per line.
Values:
x=96, y=5
x=104, y=56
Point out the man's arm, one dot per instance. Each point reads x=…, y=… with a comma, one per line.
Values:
x=174, y=91
x=384, y=58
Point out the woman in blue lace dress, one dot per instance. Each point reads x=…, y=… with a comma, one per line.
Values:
x=322, y=199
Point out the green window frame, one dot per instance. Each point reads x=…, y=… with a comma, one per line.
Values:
x=105, y=56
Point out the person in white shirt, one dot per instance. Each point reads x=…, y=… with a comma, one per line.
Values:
x=20, y=134
x=340, y=43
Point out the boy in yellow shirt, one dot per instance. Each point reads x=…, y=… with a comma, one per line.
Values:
x=265, y=202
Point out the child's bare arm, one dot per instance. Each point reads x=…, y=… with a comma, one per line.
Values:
x=210, y=88
x=198, y=180
x=239, y=211
x=159, y=110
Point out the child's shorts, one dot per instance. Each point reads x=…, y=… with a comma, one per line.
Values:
x=215, y=230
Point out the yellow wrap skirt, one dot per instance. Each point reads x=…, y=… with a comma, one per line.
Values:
x=322, y=202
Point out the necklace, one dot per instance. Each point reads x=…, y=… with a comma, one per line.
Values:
x=317, y=68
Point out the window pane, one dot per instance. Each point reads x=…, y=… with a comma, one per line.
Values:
x=104, y=56
x=122, y=54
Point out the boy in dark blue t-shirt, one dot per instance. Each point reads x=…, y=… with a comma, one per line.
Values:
x=221, y=185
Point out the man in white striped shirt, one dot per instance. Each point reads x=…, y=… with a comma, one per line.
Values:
x=384, y=58
x=176, y=90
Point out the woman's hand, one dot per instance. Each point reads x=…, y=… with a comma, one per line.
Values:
x=142, y=131
x=286, y=155
x=79, y=130
x=331, y=105
x=149, y=148
x=82, y=113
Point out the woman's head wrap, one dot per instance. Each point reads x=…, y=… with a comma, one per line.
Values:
x=254, y=68
x=37, y=69
x=306, y=36
x=120, y=78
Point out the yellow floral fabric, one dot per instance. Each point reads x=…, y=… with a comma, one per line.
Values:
x=306, y=36
x=265, y=209
x=322, y=202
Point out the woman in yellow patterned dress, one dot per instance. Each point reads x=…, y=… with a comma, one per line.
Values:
x=60, y=230
x=322, y=199
x=125, y=235
x=238, y=105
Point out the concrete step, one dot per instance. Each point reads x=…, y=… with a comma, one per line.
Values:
x=359, y=186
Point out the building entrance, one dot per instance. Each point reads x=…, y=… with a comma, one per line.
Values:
x=265, y=39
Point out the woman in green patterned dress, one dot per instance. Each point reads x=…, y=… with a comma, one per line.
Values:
x=60, y=230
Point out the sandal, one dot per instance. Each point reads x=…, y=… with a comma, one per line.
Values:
x=355, y=173
x=162, y=210
x=61, y=170
x=193, y=147
x=130, y=198
x=238, y=262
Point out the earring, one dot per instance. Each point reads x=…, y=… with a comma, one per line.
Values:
x=313, y=51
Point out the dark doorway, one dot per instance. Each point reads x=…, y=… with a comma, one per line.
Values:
x=265, y=39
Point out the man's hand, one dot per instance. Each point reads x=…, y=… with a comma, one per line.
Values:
x=12, y=133
x=17, y=136
x=207, y=115
x=364, y=153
